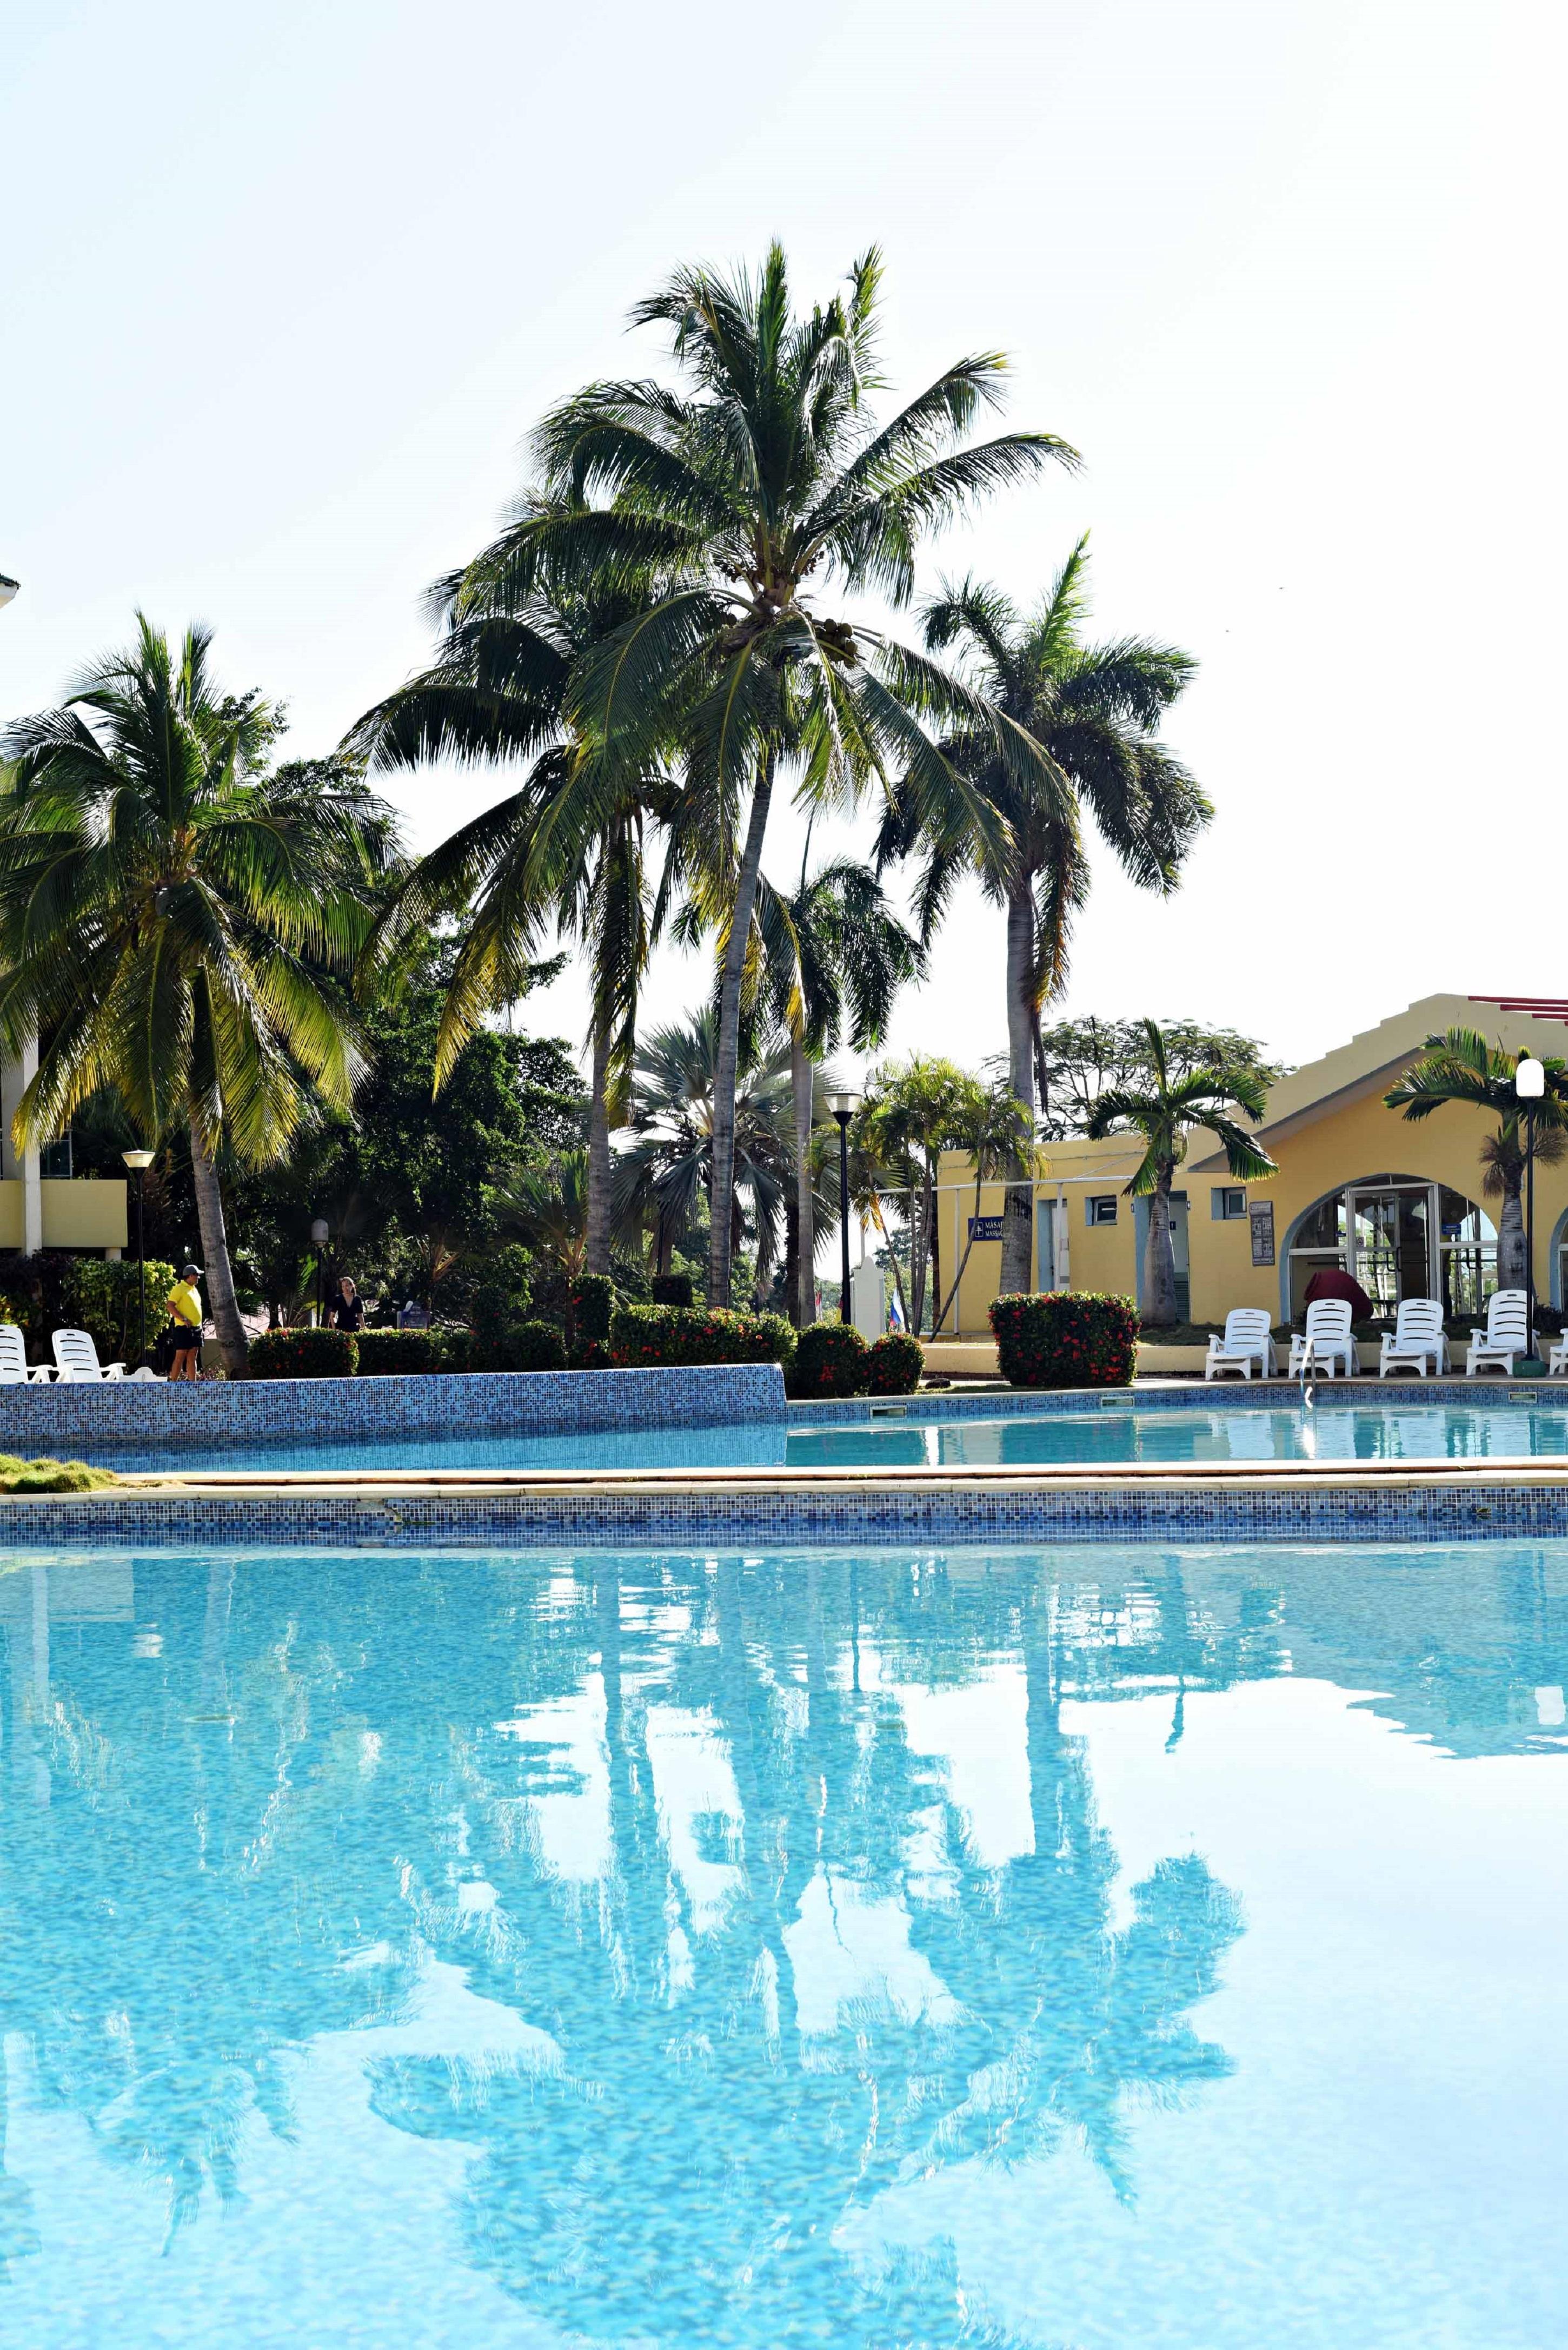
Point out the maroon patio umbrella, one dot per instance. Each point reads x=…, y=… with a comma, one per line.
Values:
x=1333, y=1281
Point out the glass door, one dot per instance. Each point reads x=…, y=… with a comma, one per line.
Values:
x=1391, y=1243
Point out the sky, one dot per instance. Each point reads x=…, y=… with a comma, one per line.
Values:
x=282, y=288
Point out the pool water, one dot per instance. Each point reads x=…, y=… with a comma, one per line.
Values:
x=1096, y=1948
x=1113, y=1433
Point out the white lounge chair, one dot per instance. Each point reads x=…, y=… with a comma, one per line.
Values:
x=15, y=1370
x=1327, y=1334
x=76, y=1362
x=1416, y=1341
x=1248, y=1340
x=1557, y=1360
x=1505, y=1336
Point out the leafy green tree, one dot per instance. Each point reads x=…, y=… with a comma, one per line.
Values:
x=1075, y=1061
x=754, y=486
x=1095, y=711
x=1161, y=1112
x=1460, y=1067
x=913, y=1113
x=169, y=915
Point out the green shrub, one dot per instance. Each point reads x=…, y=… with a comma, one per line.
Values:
x=304, y=1354
x=592, y=1306
x=103, y=1298
x=829, y=1360
x=45, y=1476
x=1065, y=1339
x=500, y=1291
x=533, y=1346
x=894, y=1365
x=588, y=1353
x=672, y=1289
x=390, y=1354
x=645, y=1337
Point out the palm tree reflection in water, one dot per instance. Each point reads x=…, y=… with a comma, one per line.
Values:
x=671, y=1815
x=719, y=2117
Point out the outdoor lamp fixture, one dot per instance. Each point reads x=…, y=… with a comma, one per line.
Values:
x=843, y=1106
x=139, y=1161
x=1530, y=1085
x=7, y=589
x=320, y=1233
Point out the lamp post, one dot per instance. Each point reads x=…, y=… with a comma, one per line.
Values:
x=1530, y=1085
x=319, y=1233
x=139, y=1161
x=842, y=1107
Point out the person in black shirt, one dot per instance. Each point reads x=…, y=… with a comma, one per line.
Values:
x=348, y=1307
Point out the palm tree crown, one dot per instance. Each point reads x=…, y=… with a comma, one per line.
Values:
x=1460, y=1067
x=1095, y=712
x=1161, y=1113
x=170, y=918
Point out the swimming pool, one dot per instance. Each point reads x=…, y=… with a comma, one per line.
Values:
x=928, y=1434
x=1013, y=1949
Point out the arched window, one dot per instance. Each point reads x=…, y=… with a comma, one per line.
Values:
x=1399, y=1236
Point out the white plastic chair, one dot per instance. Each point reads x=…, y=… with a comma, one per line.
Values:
x=76, y=1362
x=1248, y=1340
x=1327, y=1333
x=1557, y=1360
x=15, y=1370
x=1417, y=1339
x=1505, y=1336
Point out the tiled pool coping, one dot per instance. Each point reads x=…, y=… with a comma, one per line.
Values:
x=1169, y=1395
x=740, y=1509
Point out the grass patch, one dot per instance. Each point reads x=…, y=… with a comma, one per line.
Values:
x=45, y=1476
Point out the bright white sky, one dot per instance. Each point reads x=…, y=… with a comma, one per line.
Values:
x=284, y=287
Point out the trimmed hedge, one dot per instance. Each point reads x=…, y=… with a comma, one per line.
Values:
x=894, y=1364
x=304, y=1354
x=397, y=1354
x=533, y=1346
x=672, y=1289
x=1065, y=1339
x=829, y=1360
x=593, y=1306
x=645, y=1337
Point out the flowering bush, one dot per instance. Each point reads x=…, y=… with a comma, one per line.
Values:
x=304, y=1354
x=593, y=1306
x=1065, y=1339
x=644, y=1337
x=894, y=1365
x=829, y=1360
x=672, y=1289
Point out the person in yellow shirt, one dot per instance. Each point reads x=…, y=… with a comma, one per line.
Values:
x=185, y=1308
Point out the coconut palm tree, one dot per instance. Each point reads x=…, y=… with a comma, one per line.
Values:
x=1461, y=1067
x=756, y=484
x=170, y=918
x=498, y=692
x=1095, y=711
x=833, y=958
x=1161, y=1112
x=666, y=1168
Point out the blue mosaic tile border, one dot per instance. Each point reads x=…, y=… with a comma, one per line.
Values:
x=1169, y=1395
x=1309, y=1511
x=499, y=1403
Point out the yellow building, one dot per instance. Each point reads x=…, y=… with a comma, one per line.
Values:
x=1399, y=1205
x=41, y=1206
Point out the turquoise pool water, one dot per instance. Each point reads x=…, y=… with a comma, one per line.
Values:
x=1099, y=1948
x=1331, y=1431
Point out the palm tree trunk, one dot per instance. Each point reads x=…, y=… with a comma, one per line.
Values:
x=1016, y=1219
x=1513, y=1262
x=598, y=1211
x=219, y=1273
x=1159, y=1259
x=801, y=1076
x=721, y=1246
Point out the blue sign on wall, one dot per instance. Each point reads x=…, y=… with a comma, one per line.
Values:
x=985, y=1228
